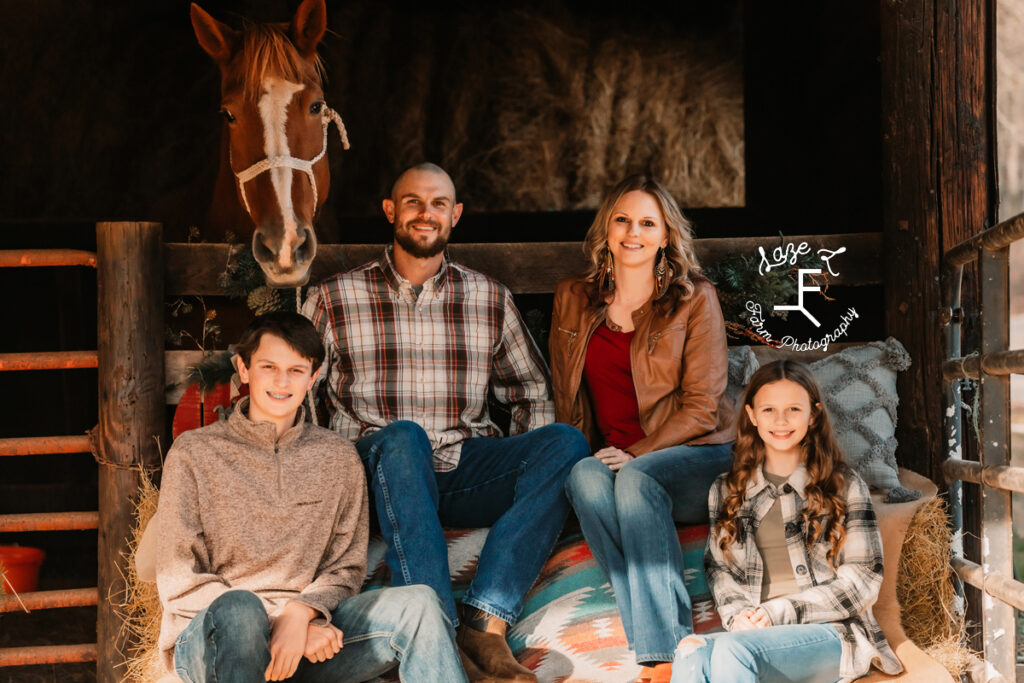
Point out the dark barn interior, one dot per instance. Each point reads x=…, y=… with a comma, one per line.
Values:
x=111, y=114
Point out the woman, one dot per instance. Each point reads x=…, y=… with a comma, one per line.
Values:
x=638, y=356
x=794, y=557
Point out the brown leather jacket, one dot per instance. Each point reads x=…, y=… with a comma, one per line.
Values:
x=680, y=368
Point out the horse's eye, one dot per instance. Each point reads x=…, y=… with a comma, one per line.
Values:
x=316, y=108
x=227, y=115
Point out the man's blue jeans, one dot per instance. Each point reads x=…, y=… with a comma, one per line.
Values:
x=514, y=485
x=229, y=641
x=792, y=653
x=628, y=519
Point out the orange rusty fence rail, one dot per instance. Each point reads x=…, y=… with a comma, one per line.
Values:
x=49, y=521
x=71, y=597
x=28, y=258
x=45, y=445
x=47, y=654
x=48, y=360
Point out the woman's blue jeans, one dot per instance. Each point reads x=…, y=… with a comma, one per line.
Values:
x=792, y=653
x=629, y=520
x=229, y=641
x=514, y=485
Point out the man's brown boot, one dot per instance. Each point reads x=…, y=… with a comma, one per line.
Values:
x=488, y=649
x=473, y=672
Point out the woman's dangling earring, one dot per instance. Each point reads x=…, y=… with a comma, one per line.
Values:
x=609, y=272
x=660, y=272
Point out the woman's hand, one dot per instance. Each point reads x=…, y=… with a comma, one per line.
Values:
x=614, y=458
x=322, y=642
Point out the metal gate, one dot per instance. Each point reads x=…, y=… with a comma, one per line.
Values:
x=991, y=366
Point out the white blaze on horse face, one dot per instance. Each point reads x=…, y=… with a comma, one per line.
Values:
x=273, y=108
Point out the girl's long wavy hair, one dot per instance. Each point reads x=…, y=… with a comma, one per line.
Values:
x=825, y=511
x=680, y=253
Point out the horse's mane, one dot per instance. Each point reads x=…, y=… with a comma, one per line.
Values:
x=267, y=50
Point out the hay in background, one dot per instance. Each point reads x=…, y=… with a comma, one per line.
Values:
x=141, y=609
x=536, y=108
x=925, y=590
x=575, y=113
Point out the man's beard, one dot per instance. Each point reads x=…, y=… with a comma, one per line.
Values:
x=418, y=250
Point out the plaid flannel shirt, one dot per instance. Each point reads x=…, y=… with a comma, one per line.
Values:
x=841, y=597
x=431, y=359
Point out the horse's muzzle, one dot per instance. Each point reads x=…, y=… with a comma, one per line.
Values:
x=285, y=259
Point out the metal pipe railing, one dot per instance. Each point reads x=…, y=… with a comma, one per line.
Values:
x=47, y=654
x=48, y=360
x=997, y=237
x=45, y=445
x=70, y=597
x=996, y=364
x=992, y=583
x=999, y=477
x=32, y=258
x=49, y=521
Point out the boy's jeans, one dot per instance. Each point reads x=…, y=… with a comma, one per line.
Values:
x=228, y=642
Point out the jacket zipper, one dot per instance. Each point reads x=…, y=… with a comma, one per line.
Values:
x=653, y=339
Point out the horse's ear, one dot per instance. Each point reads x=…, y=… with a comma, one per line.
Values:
x=308, y=26
x=217, y=40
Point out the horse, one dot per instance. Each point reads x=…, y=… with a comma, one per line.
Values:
x=275, y=123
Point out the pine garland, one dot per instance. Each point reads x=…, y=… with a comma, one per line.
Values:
x=738, y=281
x=214, y=368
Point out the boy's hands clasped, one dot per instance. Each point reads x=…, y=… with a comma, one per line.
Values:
x=293, y=637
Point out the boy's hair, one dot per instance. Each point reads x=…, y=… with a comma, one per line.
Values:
x=295, y=329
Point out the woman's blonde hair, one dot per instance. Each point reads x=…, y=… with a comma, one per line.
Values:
x=824, y=515
x=682, y=267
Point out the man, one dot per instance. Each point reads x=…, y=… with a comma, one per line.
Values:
x=415, y=342
x=263, y=524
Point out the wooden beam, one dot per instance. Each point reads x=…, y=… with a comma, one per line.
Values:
x=525, y=267
x=131, y=408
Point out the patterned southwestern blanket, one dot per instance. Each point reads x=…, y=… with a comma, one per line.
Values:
x=569, y=630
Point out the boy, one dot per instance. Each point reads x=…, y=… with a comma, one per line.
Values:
x=263, y=535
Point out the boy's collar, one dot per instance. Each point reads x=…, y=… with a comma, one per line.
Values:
x=265, y=433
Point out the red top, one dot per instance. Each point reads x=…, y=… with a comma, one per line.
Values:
x=609, y=374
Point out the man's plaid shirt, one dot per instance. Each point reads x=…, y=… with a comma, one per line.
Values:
x=394, y=356
x=841, y=597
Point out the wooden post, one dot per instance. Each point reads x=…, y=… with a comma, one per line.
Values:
x=938, y=118
x=130, y=347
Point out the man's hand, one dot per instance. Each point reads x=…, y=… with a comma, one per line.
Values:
x=614, y=458
x=288, y=640
x=322, y=642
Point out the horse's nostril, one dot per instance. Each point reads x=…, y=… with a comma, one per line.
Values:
x=260, y=251
x=306, y=249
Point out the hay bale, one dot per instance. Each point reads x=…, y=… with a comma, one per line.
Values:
x=926, y=593
x=141, y=609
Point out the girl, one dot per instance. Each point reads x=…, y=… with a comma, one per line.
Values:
x=794, y=557
x=639, y=364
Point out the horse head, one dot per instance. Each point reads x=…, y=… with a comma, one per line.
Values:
x=276, y=124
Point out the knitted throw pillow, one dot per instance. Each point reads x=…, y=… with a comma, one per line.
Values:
x=742, y=365
x=859, y=386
